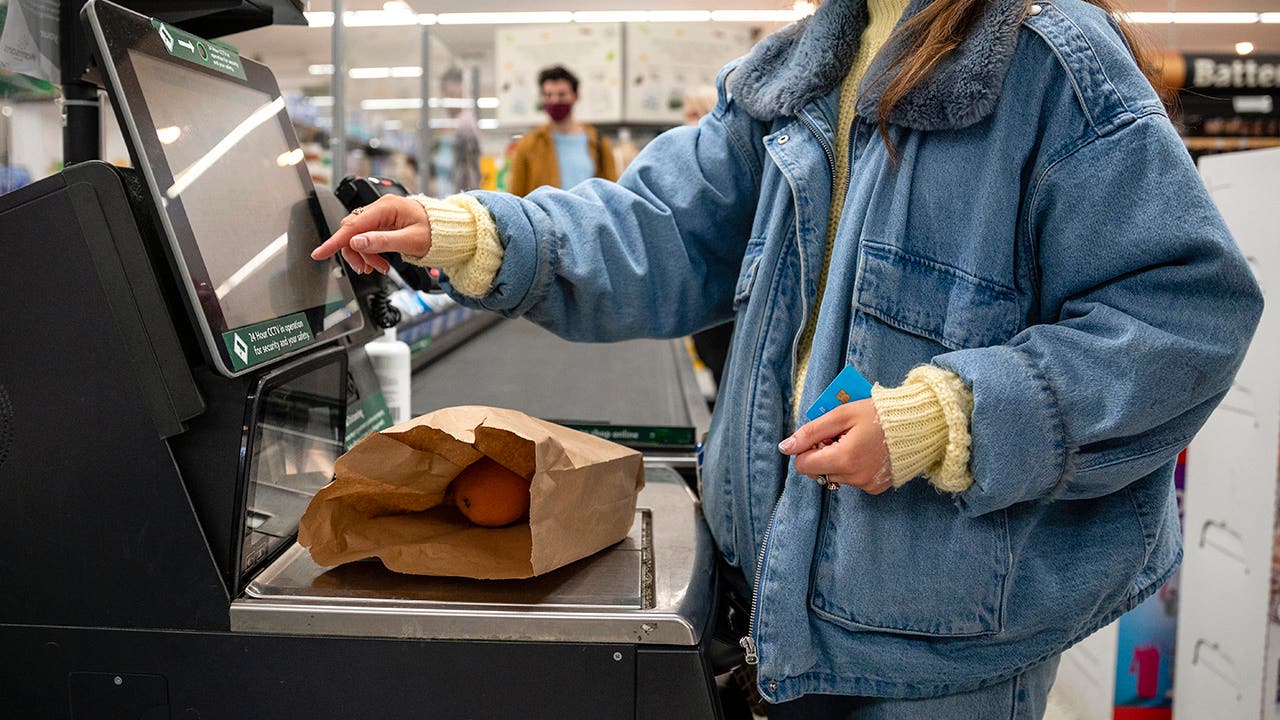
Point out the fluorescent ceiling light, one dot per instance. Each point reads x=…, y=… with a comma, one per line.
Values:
x=396, y=6
x=504, y=18
x=611, y=16
x=403, y=71
x=410, y=103
x=451, y=123
x=378, y=18
x=384, y=18
x=1192, y=18
x=1271, y=17
x=369, y=73
x=679, y=16
x=320, y=69
x=169, y=135
x=755, y=15
x=1244, y=48
x=321, y=100
x=369, y=18
x=391, y=104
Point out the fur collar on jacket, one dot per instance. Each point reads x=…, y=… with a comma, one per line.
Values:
x=807, y=60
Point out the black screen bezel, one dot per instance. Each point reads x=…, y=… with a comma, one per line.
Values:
x=116, y=32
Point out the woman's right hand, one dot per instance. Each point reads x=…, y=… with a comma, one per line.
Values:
x=392, y=224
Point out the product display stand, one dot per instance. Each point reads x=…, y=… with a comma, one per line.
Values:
x=1227, y=635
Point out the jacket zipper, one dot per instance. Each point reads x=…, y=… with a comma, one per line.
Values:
x=748, y=641
x=826, y=148
x=831, y=167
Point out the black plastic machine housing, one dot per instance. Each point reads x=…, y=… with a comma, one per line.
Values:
x=125, y=475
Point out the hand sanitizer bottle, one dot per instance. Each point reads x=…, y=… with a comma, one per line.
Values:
x=390, y=358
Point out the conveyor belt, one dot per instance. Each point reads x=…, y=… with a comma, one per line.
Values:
x=518, y=365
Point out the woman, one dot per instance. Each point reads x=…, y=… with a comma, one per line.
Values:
x=991, y=217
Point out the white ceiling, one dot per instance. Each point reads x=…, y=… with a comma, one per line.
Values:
x=289, y=50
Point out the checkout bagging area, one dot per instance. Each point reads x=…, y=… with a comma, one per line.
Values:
x=176, y=391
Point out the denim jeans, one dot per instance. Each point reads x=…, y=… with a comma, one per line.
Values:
x=1021, y=697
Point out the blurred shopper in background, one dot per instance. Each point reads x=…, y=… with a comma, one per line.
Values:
x=455, y=155
x=563, y=152
x=983, y=208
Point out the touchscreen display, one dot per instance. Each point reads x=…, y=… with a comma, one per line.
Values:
x=235, y=179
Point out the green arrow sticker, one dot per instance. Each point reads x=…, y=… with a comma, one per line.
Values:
x=213, y=55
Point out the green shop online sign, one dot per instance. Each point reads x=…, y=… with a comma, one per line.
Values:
x=254, y=344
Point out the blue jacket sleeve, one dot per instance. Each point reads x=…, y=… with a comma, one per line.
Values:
x=1148, y=308
x=654, y=255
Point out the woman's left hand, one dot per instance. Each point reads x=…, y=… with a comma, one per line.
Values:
x=846, y=445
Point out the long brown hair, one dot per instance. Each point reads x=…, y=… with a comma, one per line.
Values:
x=937, y=30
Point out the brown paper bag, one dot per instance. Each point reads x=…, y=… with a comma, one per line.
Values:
x=387, y=497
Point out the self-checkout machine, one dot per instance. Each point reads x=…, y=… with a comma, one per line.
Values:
x=172, y=399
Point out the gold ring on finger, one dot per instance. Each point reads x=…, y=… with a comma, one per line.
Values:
x=357, y=211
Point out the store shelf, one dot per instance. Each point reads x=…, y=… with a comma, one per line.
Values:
x=1200, y=144
x=433, y=334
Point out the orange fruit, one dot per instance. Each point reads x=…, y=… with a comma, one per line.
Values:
x=490, y=495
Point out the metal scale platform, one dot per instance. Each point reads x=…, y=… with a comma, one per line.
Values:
x=638, y=591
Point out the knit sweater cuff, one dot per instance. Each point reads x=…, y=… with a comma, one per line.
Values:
x=464, y=243
x=926, y=427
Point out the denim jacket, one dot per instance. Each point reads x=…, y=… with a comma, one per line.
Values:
x=1043, y=234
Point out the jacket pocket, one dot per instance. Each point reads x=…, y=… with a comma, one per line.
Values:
x=908, y=562
x=933, y=300
x=747, y=275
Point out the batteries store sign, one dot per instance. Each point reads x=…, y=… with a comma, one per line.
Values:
x=1222, y=72
x=254, y=344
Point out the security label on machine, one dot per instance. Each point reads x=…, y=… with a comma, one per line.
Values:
x=214, y=55
x=260, y=342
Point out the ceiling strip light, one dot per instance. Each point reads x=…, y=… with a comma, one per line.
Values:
x=505, y=18
x=611, y=16
x=435, y=102
x=383, y=18
x=785, y=16
x=1192, y=18
x=378, y=18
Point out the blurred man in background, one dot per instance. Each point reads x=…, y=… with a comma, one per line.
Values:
x=564, y=152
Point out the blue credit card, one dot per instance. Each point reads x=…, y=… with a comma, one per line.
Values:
x=848, y=386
